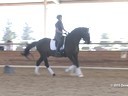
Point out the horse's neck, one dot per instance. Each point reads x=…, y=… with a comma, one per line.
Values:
x=75, y=38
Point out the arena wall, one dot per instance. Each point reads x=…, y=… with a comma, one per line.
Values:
x=86, y=58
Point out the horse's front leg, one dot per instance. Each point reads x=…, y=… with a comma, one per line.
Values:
x=75, y=67
x=79, y=72
x=71, y=69
x=78, y=69
x=48, y=67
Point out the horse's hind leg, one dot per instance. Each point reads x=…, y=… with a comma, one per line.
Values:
x=48, y=67
x=38, y=64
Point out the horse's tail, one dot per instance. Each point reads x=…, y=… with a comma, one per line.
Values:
x=26, y=51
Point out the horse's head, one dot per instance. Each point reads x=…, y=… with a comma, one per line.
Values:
x=86, y=35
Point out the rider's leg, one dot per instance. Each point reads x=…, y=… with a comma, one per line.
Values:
x=58, y=48
x=61, y=41
x=59, y=44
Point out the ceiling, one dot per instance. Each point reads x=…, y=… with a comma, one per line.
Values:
x=59, y=1
x=34, y=2
x=82, y=1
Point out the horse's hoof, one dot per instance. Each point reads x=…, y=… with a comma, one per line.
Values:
x=54, y=74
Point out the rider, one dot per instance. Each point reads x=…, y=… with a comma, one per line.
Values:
x=58, y=33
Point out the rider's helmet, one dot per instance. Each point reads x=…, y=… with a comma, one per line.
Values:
x=59, y=16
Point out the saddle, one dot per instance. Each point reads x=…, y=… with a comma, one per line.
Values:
x=53, y=45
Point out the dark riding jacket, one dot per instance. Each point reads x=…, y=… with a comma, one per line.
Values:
x=59, y=26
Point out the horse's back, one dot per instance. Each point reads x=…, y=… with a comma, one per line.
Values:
x=44, y=43
x=44, y=40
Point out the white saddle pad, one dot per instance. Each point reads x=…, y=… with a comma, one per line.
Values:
x=53, y=46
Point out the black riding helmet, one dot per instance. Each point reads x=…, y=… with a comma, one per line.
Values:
x=59, y=16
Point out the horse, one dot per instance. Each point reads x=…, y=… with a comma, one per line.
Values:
x=71, y=50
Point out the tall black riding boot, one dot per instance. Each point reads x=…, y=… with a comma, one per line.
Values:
x=58, y=51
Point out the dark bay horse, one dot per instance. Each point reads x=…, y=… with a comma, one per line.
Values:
x=71, y=49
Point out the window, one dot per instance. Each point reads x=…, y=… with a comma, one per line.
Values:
x=20, y=17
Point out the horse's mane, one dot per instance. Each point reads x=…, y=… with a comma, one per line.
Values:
x=79, y=29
